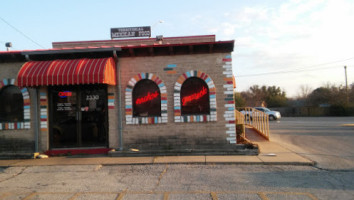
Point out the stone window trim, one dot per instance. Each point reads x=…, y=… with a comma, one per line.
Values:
x=25, y=124
x=177, y=98
x=129, y=118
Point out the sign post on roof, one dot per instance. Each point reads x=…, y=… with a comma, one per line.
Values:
x=125, y=32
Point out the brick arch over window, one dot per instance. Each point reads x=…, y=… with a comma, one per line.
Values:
x=130, y=119
x=25, y=124
x=177, y=98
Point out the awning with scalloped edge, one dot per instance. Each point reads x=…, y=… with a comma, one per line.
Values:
x=67, y=72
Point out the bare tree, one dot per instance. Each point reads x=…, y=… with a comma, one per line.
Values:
x=304, y=92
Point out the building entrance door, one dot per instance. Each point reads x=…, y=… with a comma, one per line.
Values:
x=78, y=116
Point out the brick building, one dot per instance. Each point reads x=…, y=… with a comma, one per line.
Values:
x=153, y=93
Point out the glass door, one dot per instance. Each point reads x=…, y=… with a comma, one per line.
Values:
x=79, y=116
x=93, y=102
x=64, y=117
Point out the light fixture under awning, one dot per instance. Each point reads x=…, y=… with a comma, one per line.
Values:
x=67, y=72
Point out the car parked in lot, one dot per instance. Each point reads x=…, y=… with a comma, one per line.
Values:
x=273, y=115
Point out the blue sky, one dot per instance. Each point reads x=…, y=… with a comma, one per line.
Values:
x=287, y=43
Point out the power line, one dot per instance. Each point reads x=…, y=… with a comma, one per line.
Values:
x=308, y=68
x=21, y=33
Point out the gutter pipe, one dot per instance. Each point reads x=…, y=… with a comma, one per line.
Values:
x=119, y=97
x=36, y=121
x=36, y=116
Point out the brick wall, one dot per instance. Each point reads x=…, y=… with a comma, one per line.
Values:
x=173, y=135
x=20, y=140
x=113, y=123
x=9, y=70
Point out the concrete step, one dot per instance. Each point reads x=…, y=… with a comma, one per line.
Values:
x=239, y=149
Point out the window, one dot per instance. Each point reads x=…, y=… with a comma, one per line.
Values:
x=11, y=104
x=195, y=97
x=146, y=99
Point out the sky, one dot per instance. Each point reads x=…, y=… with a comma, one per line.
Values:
x=286, y=43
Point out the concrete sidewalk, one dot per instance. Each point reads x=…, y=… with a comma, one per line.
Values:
x=271, y=154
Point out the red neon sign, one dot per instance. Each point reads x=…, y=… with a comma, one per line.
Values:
x=65, y=94
x=147, y=98
x=194, y=96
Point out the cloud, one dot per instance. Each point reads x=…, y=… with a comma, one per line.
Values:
x=292, y=35
x=273, y=36
x=297, y=28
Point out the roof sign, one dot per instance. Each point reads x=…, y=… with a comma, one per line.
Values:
x=125, y=32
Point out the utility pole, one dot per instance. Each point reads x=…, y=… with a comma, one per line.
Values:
x=346, y=84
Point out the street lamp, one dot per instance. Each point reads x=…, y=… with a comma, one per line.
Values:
x=155, y=24
x=8, y=45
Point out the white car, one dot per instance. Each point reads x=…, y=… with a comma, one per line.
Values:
x=273, y=115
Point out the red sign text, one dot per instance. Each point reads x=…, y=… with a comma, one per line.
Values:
x=65, y=94
x=147, y=98
x=194, y=96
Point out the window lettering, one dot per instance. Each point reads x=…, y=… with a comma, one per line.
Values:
x=147, y=98
x=194, y=96
x=65, y=94
x=92, y=97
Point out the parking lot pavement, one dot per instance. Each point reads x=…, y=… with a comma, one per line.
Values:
x=271, y=153
x=163, y=195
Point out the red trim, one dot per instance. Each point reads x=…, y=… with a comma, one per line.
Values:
x=63, y=152
x=158, y=82
x=205, y=118
x=226, y=59
x=121, y=46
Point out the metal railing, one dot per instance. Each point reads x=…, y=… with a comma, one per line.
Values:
x=240, y=119
x=257, y=119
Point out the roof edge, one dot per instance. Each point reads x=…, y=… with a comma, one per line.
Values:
x=135, y=39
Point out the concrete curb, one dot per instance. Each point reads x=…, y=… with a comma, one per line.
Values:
x=206, y=160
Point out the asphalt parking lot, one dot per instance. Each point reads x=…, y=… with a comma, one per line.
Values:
x=329, y=141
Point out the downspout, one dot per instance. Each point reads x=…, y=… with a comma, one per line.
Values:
x=119, y=97
x=36, y=121
x=36, y=116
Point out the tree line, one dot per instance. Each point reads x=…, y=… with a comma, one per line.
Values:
x=331, y=96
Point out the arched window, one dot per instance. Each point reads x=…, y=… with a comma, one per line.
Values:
x=195, y=97
x=146, y=99
x=11, y=104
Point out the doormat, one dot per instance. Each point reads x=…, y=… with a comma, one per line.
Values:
x=69, y=152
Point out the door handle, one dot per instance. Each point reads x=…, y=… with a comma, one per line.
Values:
x=78, y=115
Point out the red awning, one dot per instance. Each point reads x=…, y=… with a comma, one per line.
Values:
x=67, y=72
